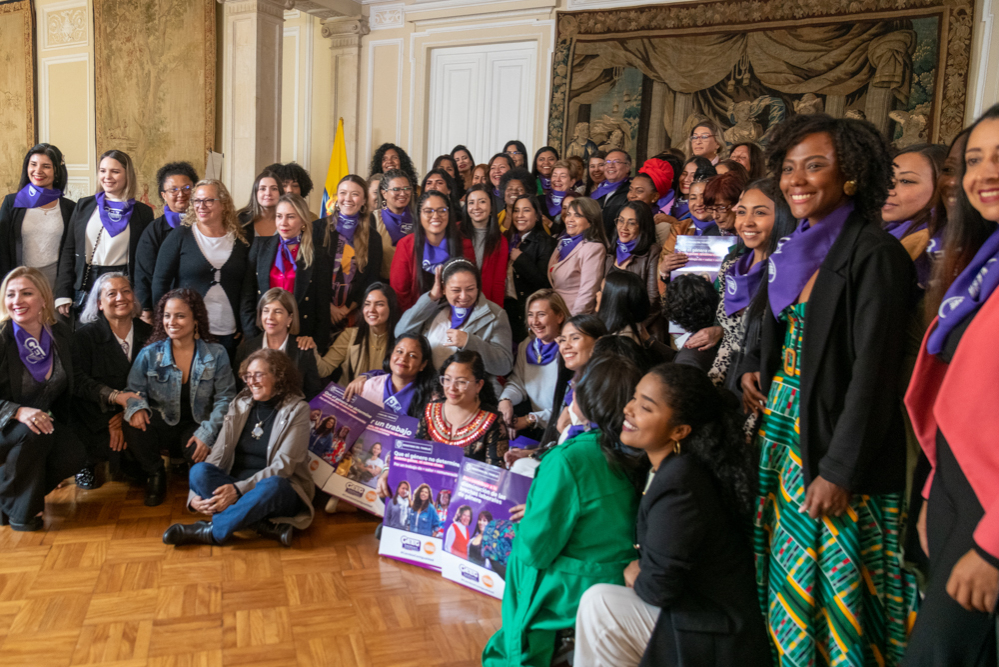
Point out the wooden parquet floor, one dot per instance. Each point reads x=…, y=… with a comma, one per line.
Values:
x=98, y=586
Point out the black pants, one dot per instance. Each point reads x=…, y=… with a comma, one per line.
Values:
x=230, y=343
x=147, y=445
x=33, y=465
x=945, y=633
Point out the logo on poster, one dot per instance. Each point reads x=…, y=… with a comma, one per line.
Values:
x=469, y=573
x=487, y=581
x=410, y=543
x=314, y=465
x=370, y=496
x=429, y=548
x=355, y=490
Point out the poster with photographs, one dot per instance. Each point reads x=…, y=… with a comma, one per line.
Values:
x=478, y=535
x=356, y=478
x=335, y=425
x=421, y=478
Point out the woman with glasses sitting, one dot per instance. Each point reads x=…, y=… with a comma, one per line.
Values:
x=394, y=217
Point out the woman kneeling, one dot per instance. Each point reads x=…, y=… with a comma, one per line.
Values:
x=257, y=474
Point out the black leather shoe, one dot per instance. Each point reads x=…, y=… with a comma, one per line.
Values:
x=33, y=524
x=156, y=488
x=279, y=532
x=199, y=532
x=87, y=479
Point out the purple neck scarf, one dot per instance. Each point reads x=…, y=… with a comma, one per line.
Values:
x=172, y=217
x=399, y=401
x=434, y=255
x=346, y=225
x=967, y=293
x=539, y=354
x=516, y=239
x=605, y=189
x=35, y=354
x=553, y=201
x=114, y=214
x=496, y=193
x=800, y=255
x=546, y=184
x=901, y=229
x=665, y=204
x=569, y=392
x=625, y=250
x=567, y=244
x=935, y=246
x=459, y=316
x=397, y=225
x=576, y=429
x=681, y=210
x=701, y=225
x=31, y=196
x=741, y=283
x=285, y=260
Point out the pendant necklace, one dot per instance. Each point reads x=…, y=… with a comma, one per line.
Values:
x=258, y=430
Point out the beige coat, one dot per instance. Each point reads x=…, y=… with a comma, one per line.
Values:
x=577, y=278
x=287, y=451
x=388, y=250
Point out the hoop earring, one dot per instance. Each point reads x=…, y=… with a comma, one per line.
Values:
x=850, y=188
x=676, y=447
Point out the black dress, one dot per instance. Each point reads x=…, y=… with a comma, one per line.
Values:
x=530, y=273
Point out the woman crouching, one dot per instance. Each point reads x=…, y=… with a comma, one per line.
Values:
x=257, y=474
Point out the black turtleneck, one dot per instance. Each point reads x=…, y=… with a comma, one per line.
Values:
x=251, y=453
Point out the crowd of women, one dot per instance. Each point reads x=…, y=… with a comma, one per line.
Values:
x=806, y=475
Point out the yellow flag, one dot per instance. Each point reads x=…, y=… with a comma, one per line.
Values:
x=338, y=169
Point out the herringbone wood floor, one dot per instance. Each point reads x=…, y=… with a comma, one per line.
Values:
x=98, y=586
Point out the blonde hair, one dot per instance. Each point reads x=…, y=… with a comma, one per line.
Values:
x=565, y=164
x=283, y=297
x=229, y=220
x=40, y=282
x=361, y=235
x=554, y=300
x=122, y=158
x=298, y=203
x=716, y=131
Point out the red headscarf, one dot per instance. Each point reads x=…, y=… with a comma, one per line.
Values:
x=661, y=174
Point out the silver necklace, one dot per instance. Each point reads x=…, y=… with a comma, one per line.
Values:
x=258, y=430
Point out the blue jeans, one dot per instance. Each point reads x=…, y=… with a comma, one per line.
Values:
x=272, y=496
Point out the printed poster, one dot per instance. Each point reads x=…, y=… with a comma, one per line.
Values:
x=478, y=536
x=705, y=255
x=335, y=426
x=422, y=478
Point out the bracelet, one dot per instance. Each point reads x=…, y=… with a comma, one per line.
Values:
x=113, y=397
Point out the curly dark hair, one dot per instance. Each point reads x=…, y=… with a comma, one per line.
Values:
x=716, y=438
x=294, y=172
x=198, y=310
x=862, y=155
x=287, y=379
x=175, y=169
x=405, y=163
x=525, y=177
x=691, y=302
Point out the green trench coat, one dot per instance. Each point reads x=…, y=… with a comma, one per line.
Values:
x=578, y=530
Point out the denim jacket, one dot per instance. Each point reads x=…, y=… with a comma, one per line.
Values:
x=158, y=381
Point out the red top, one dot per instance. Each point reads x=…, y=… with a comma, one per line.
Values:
x=285, y=281
x=959, y=399
x=493, y=269
x=401, y=274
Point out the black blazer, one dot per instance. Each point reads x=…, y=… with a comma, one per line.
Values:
x=305, y=361
x=11, y=220
x=181, y=264
x=698, y=567
x=612, y=205
x=371, y=273
x=100, y=364
x=530, y=270
x=313, y=290
x=12, y=372
x=145, y=260
x=852, y=431
x=73, y=260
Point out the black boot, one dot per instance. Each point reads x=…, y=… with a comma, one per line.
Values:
x=156, y=487
x=87, y=478
x=199, y=532
x=279, y=532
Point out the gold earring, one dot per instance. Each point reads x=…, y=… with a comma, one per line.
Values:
x=676, y=446
x=850, y=188
x=196, y=336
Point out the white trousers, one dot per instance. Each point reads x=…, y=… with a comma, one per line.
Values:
x=613, y=627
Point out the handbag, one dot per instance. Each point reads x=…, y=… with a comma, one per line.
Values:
x=80, y=295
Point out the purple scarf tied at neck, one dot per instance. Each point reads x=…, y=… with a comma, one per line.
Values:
x=114, y=214
x=459, y=316
x=741, y=283
x=541, y=354
x=435, y=255
x=346, y=225
x=36, y=355
x=576, y=429
x=969, y=291
x=553, y=202
x=567, y=244
x=625, y=250
x=681, y=210
x=399, y=401
x=800, y=255
x=605, y=188
x=31, y=196
x=901, y=229
x=546, y=184
x=665, y=204
x=397, y=225
x=701, y=225
x=285, y=260
x=172, y=217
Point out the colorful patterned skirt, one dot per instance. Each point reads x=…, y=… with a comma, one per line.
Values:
x=833, y=589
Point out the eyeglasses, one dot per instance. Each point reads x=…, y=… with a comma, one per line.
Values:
x=460, y=385
x=206, y=203
x=701, y=137
x=513, y=153
x=429, y=212
x=398, y=190
x=174, y=191
x=607, y=162
x=717, y=209
x=628, y=223
x=253, y=377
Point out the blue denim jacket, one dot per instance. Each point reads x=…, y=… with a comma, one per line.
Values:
x=157, y=380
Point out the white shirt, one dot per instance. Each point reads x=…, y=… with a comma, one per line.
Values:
x=41, y=239
x=127, y=340
x=111, y=250
x=437, y=337
x=284, y=345
x=221, y=319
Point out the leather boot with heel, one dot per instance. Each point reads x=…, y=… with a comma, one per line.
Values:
x=199, y=532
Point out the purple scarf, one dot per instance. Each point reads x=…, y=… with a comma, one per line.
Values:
x=114, y=215
x=172, y=217
x=346, y=225
x=576, y=429
x=399, y=401
x=285, y=259
x=665, y=204
x=741, y=283
x=625, y=250
x=567, y=244
x=496, y=193
x=397, y=225
x=701, y=225
x=800, y=255
x=459, y=316
x=435, y=255
x=553, y=202
x=33, y=197
x=546, y=184
x=681, y=210
x=967, y=293
x=516, y=239
x=605, y=189
x=539, y=354
x=35, y=354
x=569, y=392
x=901, y=229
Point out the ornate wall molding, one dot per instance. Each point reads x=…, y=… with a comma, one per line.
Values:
x=274, y=8
x=385, y=17
x=65, y=24
x=345, y=32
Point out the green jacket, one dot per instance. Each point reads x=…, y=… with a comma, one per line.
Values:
x=578, y=530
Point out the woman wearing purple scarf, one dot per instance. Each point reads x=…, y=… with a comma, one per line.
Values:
x=33, y=219
x=833, y=444
x=395, y=218
x=576, y=267
x=37, y=447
